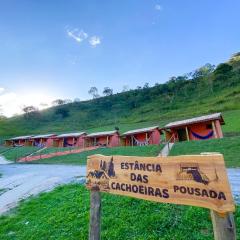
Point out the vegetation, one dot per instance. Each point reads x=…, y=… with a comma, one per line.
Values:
x=4, y=149
x=232, y=126
x=229, y=147
x=81, y=158
x=64, y=214
x=18, y=152
x=210, y=88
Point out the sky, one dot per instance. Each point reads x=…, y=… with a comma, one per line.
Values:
x=53, y=49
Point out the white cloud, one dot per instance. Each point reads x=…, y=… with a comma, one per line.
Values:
x=2, y=89
x=11, y=103
x=8, y=103
x=94, y=41
x=77, y=35
x=158, y=7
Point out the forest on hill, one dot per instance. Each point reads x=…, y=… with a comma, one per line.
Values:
x=207, y=89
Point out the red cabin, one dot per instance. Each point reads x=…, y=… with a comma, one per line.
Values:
x=142, y=136
x=45, y=140
x=103, y=139
x=198, y=128
x=69, y=140
x=17, y=141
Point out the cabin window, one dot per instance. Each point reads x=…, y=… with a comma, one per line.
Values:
x=209, y=126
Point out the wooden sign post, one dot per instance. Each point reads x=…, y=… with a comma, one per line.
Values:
x=223, y=226
x=95, y=213
x=196, y=180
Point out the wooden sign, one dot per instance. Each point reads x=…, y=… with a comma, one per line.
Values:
x=197, y=180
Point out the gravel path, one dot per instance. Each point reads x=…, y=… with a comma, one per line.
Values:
x=4, y=161
x=20, y=181
x=234, y=179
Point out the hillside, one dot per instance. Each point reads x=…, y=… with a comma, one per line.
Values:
x=208, y=89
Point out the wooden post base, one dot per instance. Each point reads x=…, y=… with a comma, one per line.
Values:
x=223, y=226
x=95, y=215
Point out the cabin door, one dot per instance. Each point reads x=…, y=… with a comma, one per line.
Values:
x=182, y=135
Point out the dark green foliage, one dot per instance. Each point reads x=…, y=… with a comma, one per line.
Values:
x=223, y=69
x=107, y=91
x=62, y=112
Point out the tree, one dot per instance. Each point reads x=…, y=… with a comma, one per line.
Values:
x=67, y=101
x=58, y=102
x=202, y=77
x=146, y=85
x=107, y=91
x=223, y=68
x=203, y=71
x=94, y=92
x=76, y=100
x=125, y=88
x=30, y=111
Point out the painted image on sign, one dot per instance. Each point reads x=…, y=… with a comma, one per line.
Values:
x=100, y=178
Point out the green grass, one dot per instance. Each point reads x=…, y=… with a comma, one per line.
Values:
x=18, y=152
x=81, y=158
x=64, y=214
x=4, y=149
x=232, y=125
x=228, y=146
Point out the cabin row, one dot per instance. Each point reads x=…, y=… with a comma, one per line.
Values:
x=199, y=128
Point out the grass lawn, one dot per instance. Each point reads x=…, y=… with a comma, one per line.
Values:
x=64, y=214
x=18, y=152
x=81, y=158
x=4, y=149
x=232, y=125
x=228, y=146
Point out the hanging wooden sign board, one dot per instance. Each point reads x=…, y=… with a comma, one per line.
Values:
x=199, y=180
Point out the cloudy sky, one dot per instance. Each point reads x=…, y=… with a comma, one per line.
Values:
x=58, y=49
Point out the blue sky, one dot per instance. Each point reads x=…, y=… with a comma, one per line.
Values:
x=60, y=48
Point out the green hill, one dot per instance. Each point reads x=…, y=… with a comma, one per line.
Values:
x=208, y=89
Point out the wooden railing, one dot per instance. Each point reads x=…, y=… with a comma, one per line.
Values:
x=170, y=140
